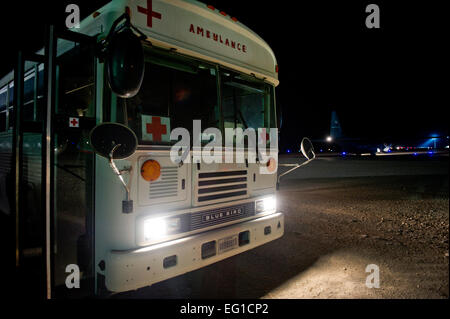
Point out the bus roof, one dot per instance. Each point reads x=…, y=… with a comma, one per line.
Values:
x=192, y=28
x=189, y=27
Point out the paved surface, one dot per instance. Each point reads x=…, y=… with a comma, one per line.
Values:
x=342, y=214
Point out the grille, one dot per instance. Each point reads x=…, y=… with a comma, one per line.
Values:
x=167, y=185
x=221, y=185
x=221, y=215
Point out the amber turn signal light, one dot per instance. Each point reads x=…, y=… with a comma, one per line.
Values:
x=271, y=165
x=150, y=170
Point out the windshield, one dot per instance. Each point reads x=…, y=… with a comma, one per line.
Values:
x=177, y=90
x=246, y=102
x=173, y=94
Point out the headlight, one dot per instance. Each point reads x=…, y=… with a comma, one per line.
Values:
x=158, y=227
x=266, y=204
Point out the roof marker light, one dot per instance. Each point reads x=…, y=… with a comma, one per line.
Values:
x=223, y=13
x=234, y=19
x=211, y=7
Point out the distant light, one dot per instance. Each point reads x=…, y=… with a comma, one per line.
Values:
x=288, y=151
x=329, y=139
x=430, y=152
x=415, y=154
x=344, y=153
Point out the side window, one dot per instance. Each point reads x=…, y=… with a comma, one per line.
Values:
x=28, y=97
x=76, y=83
x=3, y=106
x=11, y=107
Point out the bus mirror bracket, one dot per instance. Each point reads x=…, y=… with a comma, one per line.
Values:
x=123, y=55
x=103, y=44
x=116, y=141
x=307, y=150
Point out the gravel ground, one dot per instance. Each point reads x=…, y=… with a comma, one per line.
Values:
x=398, y=223
x=335, y=227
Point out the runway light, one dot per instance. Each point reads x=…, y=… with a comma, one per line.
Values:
x=344, y=153
x=288, y=151
x=415, y=154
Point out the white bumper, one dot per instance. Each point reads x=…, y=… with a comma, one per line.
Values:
x=133, y=269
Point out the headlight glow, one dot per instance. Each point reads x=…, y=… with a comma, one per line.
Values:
x=159, y=227
x=266, y=204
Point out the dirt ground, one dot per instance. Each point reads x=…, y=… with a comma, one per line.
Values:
x=397, y=223
x=334, y=229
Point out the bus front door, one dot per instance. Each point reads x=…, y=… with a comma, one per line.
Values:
x=53, y=167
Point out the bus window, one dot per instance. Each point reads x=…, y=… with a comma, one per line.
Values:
x=11, y=93
x=28, y=88
x=28, y=97
x=180, y=93
x=246, y=102
x=76, y=91
x=2, y=121
x=3, y=96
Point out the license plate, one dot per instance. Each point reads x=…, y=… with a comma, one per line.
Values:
x=228, y=243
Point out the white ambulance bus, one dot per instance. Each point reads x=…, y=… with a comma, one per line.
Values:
x=128, y=218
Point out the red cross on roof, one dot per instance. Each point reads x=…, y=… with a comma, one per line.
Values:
x=149, y=12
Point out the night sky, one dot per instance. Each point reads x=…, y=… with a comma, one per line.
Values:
x=390, y=82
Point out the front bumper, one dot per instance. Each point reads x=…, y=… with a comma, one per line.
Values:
x=133, y=269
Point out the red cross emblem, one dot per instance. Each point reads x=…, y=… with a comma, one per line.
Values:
x=156, y=129
x=149, y=12
x=73, y=122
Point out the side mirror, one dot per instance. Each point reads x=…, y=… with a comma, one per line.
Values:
x=125, y=63
x=307, y=148
x=115, y=141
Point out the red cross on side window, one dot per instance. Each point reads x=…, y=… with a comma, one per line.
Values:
x=149, y=12
x=73, y=122
x=156, y=129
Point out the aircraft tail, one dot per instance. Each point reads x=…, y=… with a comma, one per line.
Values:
x=335, y=128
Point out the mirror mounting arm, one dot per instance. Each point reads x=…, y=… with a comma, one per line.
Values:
x=127, y=204
x=295, y=166
x=103, y=44
x=307, y=150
